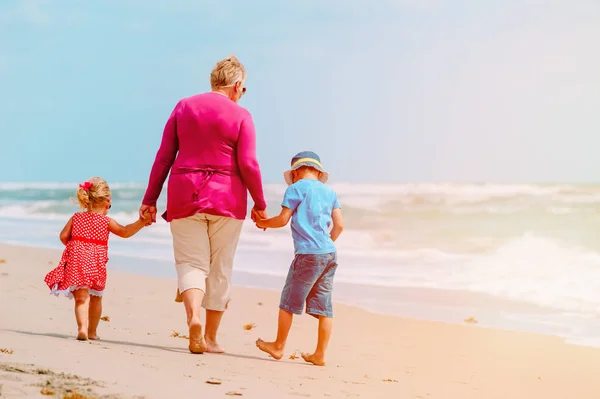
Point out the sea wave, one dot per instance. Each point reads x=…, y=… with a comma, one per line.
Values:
x=536, y=269
x=17, y=186
x=534, y=243
x=374, y=198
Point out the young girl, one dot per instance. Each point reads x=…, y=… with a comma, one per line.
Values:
x=81, y=273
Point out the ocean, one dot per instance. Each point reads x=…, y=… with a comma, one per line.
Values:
x=524, y=257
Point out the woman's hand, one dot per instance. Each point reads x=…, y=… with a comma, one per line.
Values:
x=148, y=209
x=259, y=216
x=146, y=218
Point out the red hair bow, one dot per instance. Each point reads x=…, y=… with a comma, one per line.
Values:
x=86, y=186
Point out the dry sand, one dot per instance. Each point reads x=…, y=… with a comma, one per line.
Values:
x=370, y=356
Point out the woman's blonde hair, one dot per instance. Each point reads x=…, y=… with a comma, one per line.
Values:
x=93, y=192
x=227, y=72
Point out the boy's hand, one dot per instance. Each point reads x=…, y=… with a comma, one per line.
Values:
x=258, y=217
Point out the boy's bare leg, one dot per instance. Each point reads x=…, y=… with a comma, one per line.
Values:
x=213, y=321
x=275, y=349
x=192, y=300
x=95, y=313
x=325, y=327
x=82, y=303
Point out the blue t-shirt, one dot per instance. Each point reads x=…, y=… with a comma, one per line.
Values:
x=312, y=203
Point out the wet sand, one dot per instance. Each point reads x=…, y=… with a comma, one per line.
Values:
x=370, y=356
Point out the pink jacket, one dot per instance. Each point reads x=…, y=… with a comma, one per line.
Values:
x=209, y=145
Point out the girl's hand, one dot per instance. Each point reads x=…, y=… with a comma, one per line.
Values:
x=146, y=217
x=151, y=210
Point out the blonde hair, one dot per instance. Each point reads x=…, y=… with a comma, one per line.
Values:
x=227, y=72
x=95, y=191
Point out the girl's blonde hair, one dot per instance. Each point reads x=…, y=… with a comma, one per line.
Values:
x=93, y=192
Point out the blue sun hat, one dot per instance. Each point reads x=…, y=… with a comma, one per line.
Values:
x=305, y=158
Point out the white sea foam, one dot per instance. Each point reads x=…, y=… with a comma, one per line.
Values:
x=539, y=270
x=16, y=186
x=451, y=192
x=534, y=243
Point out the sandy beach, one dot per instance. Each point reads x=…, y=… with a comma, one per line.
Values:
x=370, y=356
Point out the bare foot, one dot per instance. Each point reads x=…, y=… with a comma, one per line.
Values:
x=197, y=342
x=92, y=335
x=213, y=347
x=314, y=359
x=82, y=336
x=275, y=351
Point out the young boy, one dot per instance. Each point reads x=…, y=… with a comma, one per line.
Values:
x=313, y=207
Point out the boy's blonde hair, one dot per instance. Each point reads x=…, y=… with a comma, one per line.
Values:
x=306, y=168
x=95, y=191
x=227, y=73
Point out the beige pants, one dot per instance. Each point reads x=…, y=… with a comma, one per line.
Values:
x=204, y=247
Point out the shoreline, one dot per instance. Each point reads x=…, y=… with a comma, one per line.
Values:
x=370, y=355
x=418, y=303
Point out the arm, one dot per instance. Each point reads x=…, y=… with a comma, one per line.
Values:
x=248, y=164
x=276, y=222
x=130, y=229
x=338, y=223
x=164, y=160
x=65, y=234
x=291, y=199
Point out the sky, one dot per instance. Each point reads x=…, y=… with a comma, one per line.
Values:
x=384, y=91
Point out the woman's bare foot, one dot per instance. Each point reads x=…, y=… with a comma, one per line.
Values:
x=197, y=342
x=276, y=351
x=82, y=336
x=314, y=359
x=213, y=347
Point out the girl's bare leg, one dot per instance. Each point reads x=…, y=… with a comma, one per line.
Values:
x=82, y=304
x=94, y=316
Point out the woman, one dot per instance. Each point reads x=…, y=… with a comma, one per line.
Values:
x=209, y=146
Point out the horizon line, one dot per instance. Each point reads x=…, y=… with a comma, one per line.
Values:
x=406, y=182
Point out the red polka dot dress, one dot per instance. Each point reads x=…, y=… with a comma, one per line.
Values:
x=83, y=262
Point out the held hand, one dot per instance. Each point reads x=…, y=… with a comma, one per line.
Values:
x=259, y=224
x=151, y=211
x=258, y=217
x=146, y=217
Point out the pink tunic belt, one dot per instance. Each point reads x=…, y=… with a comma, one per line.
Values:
x=208, y=171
